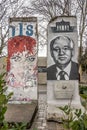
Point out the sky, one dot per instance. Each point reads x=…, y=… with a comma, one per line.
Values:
x=42, y=51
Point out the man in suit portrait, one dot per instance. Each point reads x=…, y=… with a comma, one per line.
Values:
x=62, y=51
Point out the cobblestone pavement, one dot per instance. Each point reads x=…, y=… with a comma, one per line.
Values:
x=41, y=118
x=40, y=122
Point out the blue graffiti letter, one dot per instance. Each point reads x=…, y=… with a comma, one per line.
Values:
x=21, y=29
x=13, y=30
x=30, y=30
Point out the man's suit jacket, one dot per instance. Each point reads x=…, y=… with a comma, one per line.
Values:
x=74, y=75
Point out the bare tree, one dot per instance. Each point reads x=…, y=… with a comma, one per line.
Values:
x=46, y=10
x=51, y=8
x=82, y=29
x=82, y=22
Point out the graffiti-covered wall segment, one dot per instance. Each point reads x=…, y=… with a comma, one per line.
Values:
x=21, y=61
x=22, y=65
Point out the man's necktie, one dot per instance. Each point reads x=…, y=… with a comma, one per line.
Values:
x=62, y=75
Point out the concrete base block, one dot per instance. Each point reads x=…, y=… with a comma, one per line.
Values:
x=53, y=104
x=55, y=114
x=21, y=112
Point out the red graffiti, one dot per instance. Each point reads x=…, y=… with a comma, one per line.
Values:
x=20, y=44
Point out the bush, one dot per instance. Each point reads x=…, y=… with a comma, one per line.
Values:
x=75, y=119
x=3, y=100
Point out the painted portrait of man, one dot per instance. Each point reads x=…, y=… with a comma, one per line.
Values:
x=62, y=52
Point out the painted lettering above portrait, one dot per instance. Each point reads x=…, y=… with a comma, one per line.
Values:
x=29, y=29
x=26, y=27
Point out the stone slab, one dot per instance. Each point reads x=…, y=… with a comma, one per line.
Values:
x=51, y=125
x=21, y=112
x=54, y=125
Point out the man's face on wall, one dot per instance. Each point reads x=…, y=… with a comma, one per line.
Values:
x=62, y=53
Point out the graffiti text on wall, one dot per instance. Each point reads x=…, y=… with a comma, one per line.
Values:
x=21, y=27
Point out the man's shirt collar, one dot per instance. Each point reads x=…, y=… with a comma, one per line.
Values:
x=67, y=70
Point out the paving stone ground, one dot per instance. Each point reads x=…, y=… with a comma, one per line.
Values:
x=42, y=124
x=40, y=121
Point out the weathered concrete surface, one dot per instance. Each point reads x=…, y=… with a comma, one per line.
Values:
x=55, y=126
x=53, y=104
x=21, y=112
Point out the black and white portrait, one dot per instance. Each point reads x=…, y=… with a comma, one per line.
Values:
x=62, y=49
